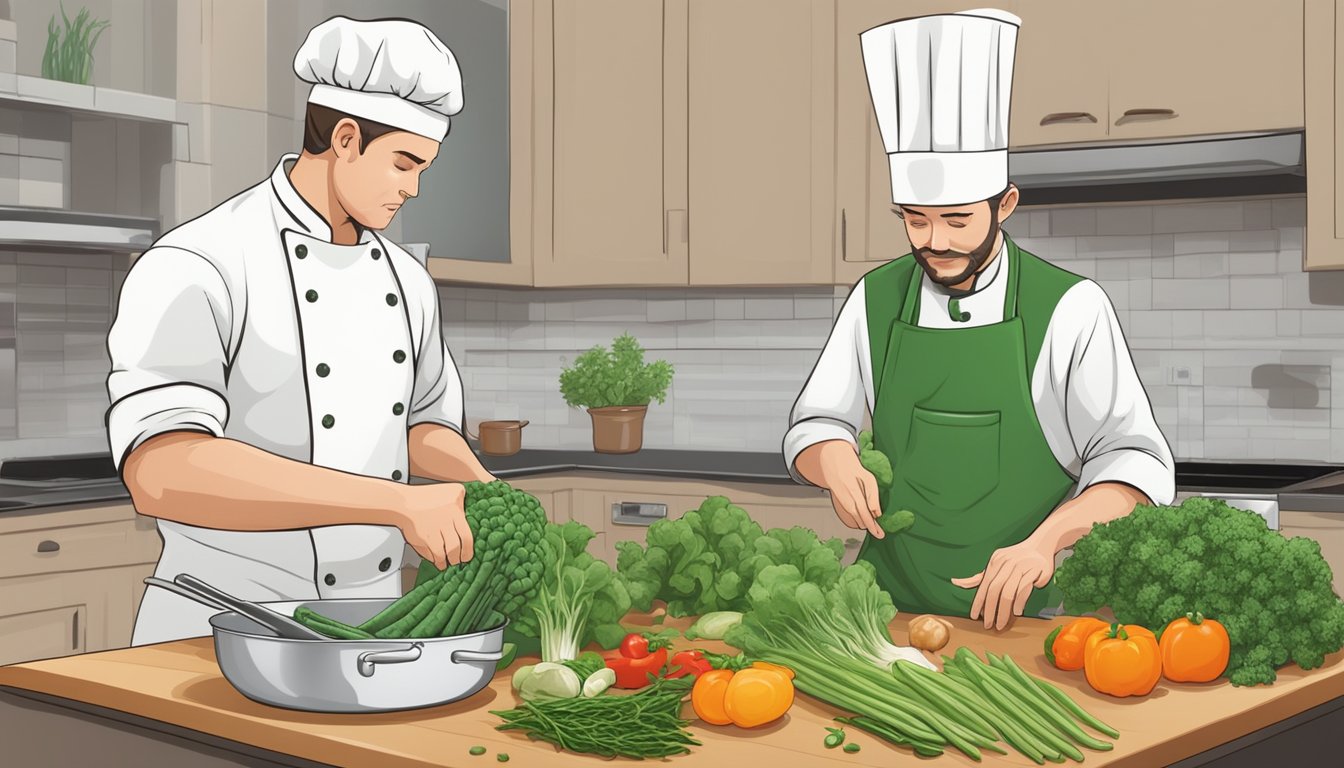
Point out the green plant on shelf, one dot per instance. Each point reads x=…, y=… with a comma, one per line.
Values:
x=69, y=52
x=619, y=377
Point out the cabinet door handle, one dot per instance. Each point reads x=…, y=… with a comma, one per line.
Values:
x=74, y=632
x=667, y=215
x=637, y=512
x=1055, y=118
x=844, y=235
x=1144, y=114
x=47, y=545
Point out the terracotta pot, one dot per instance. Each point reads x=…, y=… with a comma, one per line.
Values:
x=618, y=428
x=500, y=438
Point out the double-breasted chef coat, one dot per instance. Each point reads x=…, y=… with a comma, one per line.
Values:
x=247, y=323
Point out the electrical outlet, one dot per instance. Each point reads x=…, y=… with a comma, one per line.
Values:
x=1179, y=376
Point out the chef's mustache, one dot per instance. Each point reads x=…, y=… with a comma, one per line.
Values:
x=975, y=259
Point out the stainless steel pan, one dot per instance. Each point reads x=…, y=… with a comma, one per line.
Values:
x=351, y=675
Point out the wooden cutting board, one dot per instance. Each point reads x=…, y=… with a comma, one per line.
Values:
x=180, y=683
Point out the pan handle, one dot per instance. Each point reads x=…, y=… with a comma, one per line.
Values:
x=368, y=659
x=492, y=656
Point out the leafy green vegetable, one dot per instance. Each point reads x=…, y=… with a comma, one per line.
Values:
x=507, y=525
x=874, y=460
x=579, y=596
x=601, y=379
x=1273, y=594
x=586, y=664
x=895, y=522
x=849, y=618
x=598, y=682
x=706, y=560
x=713, y=625
x=546, y=680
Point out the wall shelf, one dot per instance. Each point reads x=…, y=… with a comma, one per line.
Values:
x=89, y=99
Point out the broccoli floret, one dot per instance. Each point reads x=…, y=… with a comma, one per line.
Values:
x=1273, y=594
x=874, y=460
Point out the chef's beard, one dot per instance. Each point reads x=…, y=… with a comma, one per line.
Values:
x=976, y=257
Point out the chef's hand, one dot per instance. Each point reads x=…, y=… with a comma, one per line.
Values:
x=1007, y=581
x=434, y=522
x=853, y=488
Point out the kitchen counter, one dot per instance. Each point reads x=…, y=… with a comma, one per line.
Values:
x=41, y=483
x=83, y=709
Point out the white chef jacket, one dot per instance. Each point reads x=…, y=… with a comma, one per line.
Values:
x=247, y=323
x=1088, y=399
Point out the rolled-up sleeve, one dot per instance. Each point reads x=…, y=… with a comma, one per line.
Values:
x=169, y=351
x=437, y=397
x=832, y=403
x=1109, y=418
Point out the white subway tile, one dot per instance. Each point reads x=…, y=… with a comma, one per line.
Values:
x=1297, y=290
x=1290, y=238
x=1257, y=214
x=667, y=311
x=1115, y=246
x=1197, y=217
x=811, y=308
x=1256, y=293
x=1201, y=265
x=1290, y=212
x=1323, y=322
x=1255, y=240
x=1253, y=263
x=1289, y=323
x=1290, y=261
x=1127, y=220
x=729, y=309
x=1164, y=267
x=610, y=310
x=1185, y=323
x=1073, y=221
x=1191, y=294
x=1240, y=324
x=768, y=309
x=1141, y=269
x=1040, y=223
x=700, y=309
x=1151, y=324
x=1141, y=294
x=1201, y=242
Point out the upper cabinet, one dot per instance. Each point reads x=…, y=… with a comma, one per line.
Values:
x=610, y=164
x=1324, y=29
x=761, y=131
x=1151, y=69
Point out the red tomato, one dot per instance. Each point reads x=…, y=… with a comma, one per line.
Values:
x=635, y=646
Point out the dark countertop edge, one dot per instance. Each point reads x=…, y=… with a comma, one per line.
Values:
x=551, y=469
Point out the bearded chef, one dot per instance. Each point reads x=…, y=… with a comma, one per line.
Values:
x=1000, y=386
x=278, y=368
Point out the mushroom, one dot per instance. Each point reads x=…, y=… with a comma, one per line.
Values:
x=929, y=633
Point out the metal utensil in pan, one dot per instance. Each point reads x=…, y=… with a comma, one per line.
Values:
x=352, y=675
x=191, y=587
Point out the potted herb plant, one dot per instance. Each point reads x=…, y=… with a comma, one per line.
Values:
x=616, y=387
x=69, y=52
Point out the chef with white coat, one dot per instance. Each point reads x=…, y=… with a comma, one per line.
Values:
x=278, y=366
x=999, y=385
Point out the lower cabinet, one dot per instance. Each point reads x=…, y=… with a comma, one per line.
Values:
x=71, y=580
x=1327, y=528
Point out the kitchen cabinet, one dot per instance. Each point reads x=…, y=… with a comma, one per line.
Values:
x=523, y=148
x=71, y=579
x=1204, y=66
x=1060, y=74
x=761, y=133
x=1323, y=25
x=610, y=142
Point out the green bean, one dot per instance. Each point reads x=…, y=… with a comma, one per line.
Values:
x=941, y=696
x=403, y=626
x=1073, y=707
x=1045, y=726
x=1006, y=727
x=884, y=731
x=402, y=605
x=1030, y=692
x=1027, y=725
x=329, y=626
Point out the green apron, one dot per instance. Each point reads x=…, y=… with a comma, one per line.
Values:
x=953, y=411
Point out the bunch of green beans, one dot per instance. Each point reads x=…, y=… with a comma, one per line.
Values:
x=970, y=706
x=647, y=723
x=1036, y=718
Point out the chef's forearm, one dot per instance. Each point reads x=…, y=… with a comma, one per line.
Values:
x=1099, y=503
x=440, y=453
x=214, y=482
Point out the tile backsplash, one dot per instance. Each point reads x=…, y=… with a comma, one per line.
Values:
x=1239, y=349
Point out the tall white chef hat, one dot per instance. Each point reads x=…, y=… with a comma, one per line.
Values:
x=393, y=72
x=941, y=87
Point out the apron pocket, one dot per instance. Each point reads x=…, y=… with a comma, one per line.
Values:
x=952, y=459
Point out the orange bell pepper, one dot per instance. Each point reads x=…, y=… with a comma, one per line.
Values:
x=1122, y=660
x=1194, y=649
x=747, y=698
x=1064, y=647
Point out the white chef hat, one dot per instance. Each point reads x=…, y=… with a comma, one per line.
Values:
x=941, y=87
x=393, y=72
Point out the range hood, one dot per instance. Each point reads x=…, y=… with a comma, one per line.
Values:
x=1220, y=166
x=50, y=228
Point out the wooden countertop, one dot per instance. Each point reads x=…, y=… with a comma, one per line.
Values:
x=180, y=683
